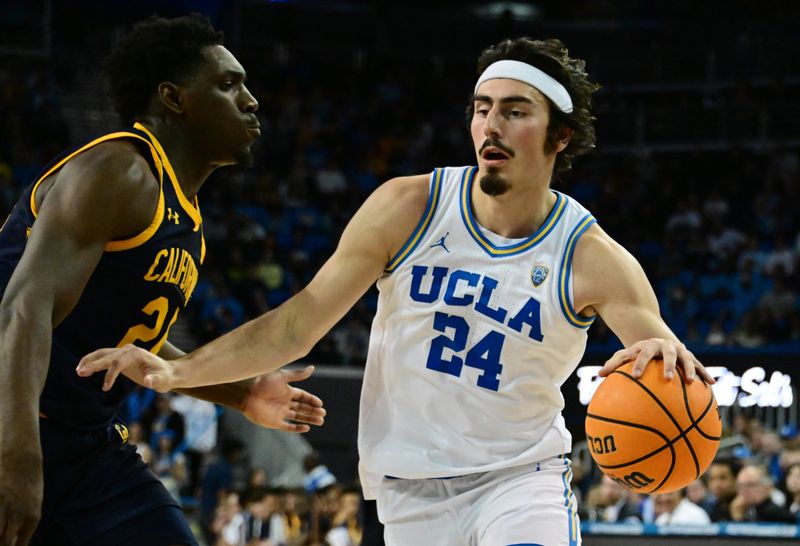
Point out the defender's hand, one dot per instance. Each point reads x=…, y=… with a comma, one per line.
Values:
x=138, y=365
x=273, y=403
x=672, y=352
x=21, y=489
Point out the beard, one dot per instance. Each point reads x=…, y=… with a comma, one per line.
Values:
x=493, y=184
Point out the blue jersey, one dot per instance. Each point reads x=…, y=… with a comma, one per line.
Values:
x=133, y=296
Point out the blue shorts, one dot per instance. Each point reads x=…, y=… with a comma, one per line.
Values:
x=98, y=491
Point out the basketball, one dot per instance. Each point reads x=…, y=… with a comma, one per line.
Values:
x=652, y=435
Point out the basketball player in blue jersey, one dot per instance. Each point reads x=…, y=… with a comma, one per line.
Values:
x=104, y=249
x=488, y=282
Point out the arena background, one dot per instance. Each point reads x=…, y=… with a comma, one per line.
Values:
x=696, y=172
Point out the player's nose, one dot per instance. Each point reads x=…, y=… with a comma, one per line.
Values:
x=250, y=104
x=492, y=125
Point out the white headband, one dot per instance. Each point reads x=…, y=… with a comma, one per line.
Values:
x=516, y=70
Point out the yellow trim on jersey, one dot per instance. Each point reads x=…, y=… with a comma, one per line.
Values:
x=193, y=210
x=572, y=512
x=566, y=262
x=480, y=238
x=144, y=236
x=422, y=227
x=104, y=138
x=147, y=233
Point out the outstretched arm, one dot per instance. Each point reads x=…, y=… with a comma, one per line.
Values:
x=610, y=282
x=268, y=400
x=376, y=232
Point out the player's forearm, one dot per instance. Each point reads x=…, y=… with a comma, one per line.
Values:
x=230, y=395
x=259, y=346
x=25, y=340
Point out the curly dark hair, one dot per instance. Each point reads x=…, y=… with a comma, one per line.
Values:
x=552, y=57
x=154, y=51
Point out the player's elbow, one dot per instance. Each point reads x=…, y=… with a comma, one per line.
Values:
x=300, y=339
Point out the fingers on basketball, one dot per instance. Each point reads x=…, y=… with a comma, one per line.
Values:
x=653, y=434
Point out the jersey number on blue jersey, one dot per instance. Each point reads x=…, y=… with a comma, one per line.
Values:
x=484, y=355
x=159, y=308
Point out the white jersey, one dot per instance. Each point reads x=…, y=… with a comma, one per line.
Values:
x=473, y=337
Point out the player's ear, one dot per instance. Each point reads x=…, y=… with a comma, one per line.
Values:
x=562, y=139
x=172, y=96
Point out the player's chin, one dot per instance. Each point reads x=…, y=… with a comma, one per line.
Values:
x=244, y=157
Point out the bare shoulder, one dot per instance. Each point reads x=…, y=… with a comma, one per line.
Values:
x=394, y=210
x=405, y=193
x=115, y=161
x=602, y=269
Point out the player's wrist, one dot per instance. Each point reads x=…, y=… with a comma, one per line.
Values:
x=177, y=374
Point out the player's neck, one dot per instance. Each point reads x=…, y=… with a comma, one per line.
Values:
x=190, y=171
x=517, y=213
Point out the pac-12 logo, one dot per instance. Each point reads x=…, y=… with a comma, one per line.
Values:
x=539, y=274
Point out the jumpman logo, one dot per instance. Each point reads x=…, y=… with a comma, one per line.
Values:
x=441, y=242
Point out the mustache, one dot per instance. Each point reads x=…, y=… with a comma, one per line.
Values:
x=500, y=146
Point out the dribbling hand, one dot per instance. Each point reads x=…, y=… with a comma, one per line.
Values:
x=672, y=352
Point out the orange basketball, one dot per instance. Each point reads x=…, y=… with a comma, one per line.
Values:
x=651, y=434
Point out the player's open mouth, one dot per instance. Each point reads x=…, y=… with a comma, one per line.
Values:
x=494, y=156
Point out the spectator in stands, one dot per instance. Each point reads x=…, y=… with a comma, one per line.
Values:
x=779, y=303
x=163, y=451
x=780, y=259
x=721, y=477
x=675, y=509
x=768, y=454
x=724, y=241
x=218, y=482
x=161, y=417
x=227, y=528
x=256, y=478
x=136, y=438
x=264, y=521
x=296, y=514
x=200, y=418
x=698, y=493
x=594, y=504
x=620, y=503
x=793, y=490
x=175, y=477
x=317, y=476
x=752, y=502
x=346, y=529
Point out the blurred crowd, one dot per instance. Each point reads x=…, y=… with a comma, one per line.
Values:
x=756, y=478
x=229, y=501
x=717, y=228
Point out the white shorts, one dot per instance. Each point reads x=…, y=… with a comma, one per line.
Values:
x=531, y=505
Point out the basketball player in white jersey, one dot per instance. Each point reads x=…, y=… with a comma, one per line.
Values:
x=488, y=282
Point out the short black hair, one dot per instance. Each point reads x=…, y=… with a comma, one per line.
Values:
x=552, y=57
x=734, y=464
x=154, y=51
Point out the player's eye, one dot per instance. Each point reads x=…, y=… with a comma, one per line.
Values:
x=227, y=86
